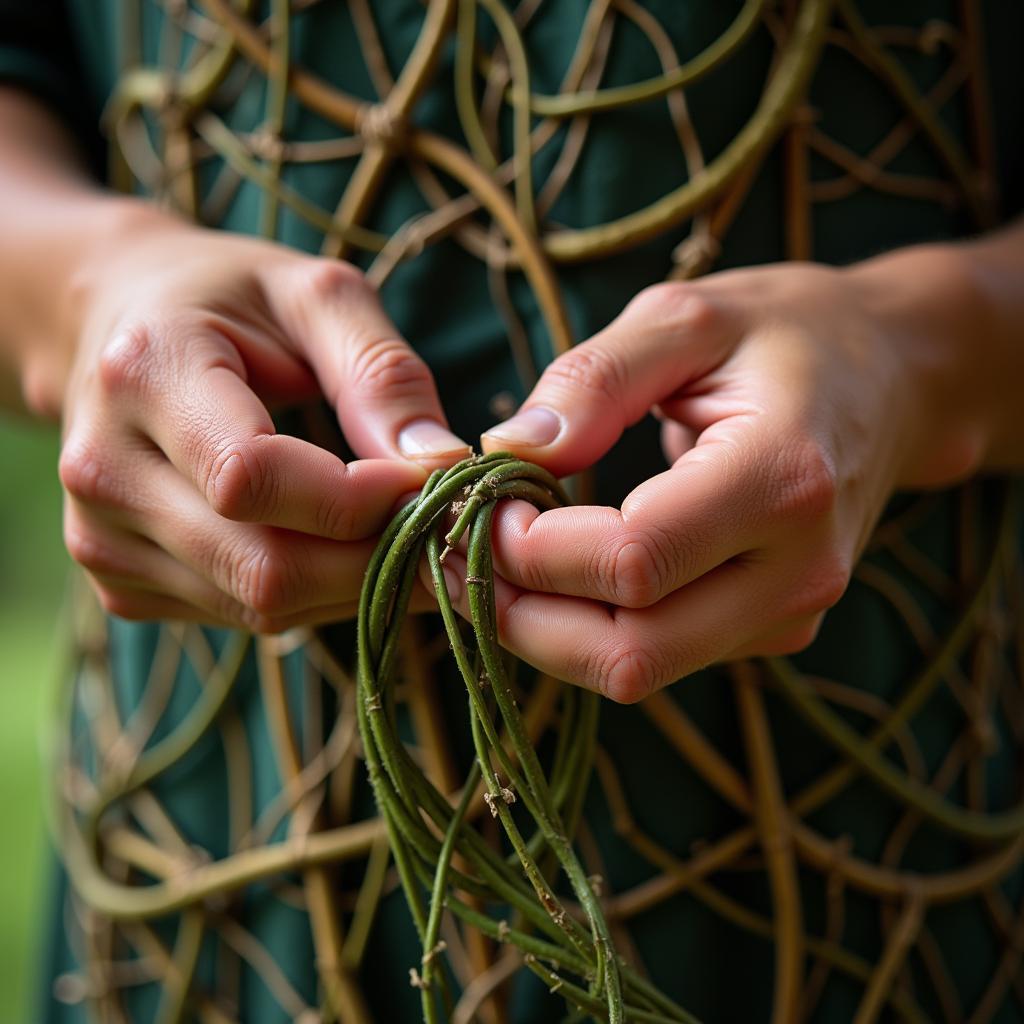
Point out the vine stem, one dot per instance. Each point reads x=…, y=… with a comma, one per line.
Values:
x=777, y=843
x=511, y=770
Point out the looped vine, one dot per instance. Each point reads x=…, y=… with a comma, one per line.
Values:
x=569, y=947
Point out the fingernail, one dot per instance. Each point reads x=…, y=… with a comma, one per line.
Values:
x=427, y=439
x=534, y=426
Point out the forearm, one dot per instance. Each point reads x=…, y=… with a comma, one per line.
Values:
x=56, y=224
x=959, y=310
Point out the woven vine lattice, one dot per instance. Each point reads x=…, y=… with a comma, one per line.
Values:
x=130, y=860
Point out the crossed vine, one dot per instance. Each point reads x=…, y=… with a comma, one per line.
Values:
x=130, y=862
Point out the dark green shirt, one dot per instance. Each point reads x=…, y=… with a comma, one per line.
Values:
x=921, y=573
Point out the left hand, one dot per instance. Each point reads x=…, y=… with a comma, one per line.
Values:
x=791, y=411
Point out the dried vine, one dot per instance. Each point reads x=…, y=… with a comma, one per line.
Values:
x=130, y=860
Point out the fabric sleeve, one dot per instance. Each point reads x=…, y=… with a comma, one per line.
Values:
x=38, y=54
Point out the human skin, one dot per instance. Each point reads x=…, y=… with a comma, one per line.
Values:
x=795, y=400
x=162, y=348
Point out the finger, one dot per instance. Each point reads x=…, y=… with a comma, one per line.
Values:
x=676, y=439
x=198, y=569
x=135, y=580
x=237, y=616
x=139, y=605
x=626, y=654
x=280, y=577
x=666, y=337
x=271, y=571
x=186, y=390
x=127, y=569
x=136, y=605
x=383, y=392
x=737, y=491
x=158, y=587
x=789, y=638
x=132, y=575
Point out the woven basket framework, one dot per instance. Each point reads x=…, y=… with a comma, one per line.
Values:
x=130, y=862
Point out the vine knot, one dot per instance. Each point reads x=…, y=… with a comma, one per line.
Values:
x=430, y=954
x=506, y=793
x=379, y=126
x=266, y=144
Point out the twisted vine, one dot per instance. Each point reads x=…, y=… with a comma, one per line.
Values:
x=408, y=801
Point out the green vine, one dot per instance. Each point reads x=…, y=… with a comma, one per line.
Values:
x=576, y=945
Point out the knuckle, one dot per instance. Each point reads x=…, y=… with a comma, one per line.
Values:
x=388, y=368
x=821, y=583
x=336, y=519
x=629, y=673
x=807, y=488
x=331, y=280
x=124, y=363
x=640, y=569
x=86, y=475
x=531, y=573
x=674, y=306
x=265, y=583
x=824, y=583
x=89, y=551
x=592, y=368
x=238, y=484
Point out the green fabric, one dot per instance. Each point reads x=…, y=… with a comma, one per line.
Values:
x=441, y=303
x=38, y=53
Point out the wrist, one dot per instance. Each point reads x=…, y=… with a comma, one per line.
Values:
x=100, y=229
x=930, y=312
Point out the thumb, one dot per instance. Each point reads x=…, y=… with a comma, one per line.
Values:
x=383, y=392
x=666, y=337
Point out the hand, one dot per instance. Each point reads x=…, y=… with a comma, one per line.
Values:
x=182, y=500
x=790, y=414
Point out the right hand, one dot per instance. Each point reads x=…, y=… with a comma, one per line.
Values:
x=182, y=501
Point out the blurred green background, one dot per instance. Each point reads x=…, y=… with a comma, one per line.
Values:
x=32, y=573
